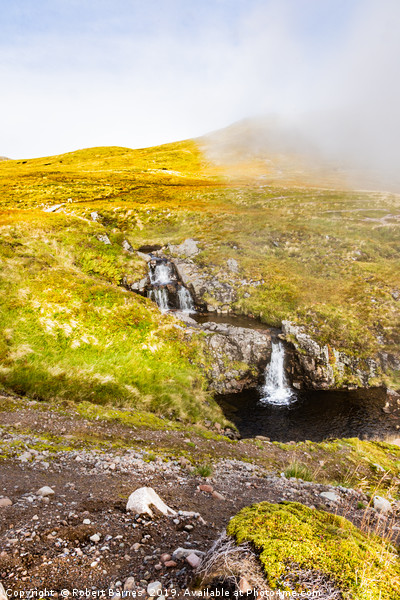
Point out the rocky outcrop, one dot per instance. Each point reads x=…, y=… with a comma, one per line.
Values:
x=236, y=356
x=324, y=367
x=207, y=290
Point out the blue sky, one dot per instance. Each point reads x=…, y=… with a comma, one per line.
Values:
x=136, y=73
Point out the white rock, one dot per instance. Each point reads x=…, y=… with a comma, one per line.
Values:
x=154, y=588
x=105, y=239
x=86, y=521
x=382, y=505
x=331, y=496
x=141, y=499
x=45, y=491
x=95, y=538
x=25, y=456
x=3, y=595
x=94, y=216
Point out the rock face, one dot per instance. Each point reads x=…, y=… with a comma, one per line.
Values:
x=238, y=356
x=206, y=289
x=323, y=367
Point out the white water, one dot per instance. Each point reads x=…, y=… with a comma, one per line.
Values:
x=185, y=300
x=160, y=296
x=276, y=389
x=161, y=275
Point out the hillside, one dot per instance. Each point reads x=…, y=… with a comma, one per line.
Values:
x=102, y=394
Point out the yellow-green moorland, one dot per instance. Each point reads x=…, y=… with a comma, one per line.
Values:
x=327, y=259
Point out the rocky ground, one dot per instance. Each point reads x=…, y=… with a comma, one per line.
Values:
x=64, y=484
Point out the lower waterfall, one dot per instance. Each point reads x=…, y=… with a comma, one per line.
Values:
x=276, y=389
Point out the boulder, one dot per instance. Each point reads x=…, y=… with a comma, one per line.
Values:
x=141, y=499
x=188, y=248
x=331, y=496
x=126, y=246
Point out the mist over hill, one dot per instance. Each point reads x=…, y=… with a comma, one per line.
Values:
x=314, y=149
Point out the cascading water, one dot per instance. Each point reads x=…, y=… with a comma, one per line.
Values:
x=276, y=389
x=166, y=289
x=185, y=300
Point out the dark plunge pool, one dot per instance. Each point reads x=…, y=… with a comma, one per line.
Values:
x=314, y=415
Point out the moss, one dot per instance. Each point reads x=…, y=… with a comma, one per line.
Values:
x=365, y=567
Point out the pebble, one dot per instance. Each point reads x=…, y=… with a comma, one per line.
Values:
x=194, y=560
x=86, y=521
x=217, y=496
x=129, y=584
x=154, y=588
x=165, y=557
x=5, y=502
x=205, y=487
x=95, y=538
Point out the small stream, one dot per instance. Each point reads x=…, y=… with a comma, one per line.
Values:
x=276, y=410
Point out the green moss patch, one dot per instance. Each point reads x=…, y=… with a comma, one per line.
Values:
x=364, y=566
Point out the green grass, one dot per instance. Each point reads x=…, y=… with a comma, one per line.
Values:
x=364, y=566
x=322, y=258
x=299, y=471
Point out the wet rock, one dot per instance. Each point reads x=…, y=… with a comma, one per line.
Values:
x=382, y=505
x=323, y=367
x=141, y=499
x=246, y=351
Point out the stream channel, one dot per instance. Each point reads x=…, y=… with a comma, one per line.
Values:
x=276, y=410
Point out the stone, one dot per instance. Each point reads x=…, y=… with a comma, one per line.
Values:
x=129, y=584
x=126, y=246
x=187, y=248
x=204, y=487
x=382, y=505
x=165, y=557
x=45, y=491
x=25, y=456
x=94, y=216
x=105, y=239
x=217, y=496
x=170, y=564
x=3, y=595
x=5, y=502
x=233, y=265
x=194, y=560
x=86, y=521
x=141, y=499
x=95, y=538
x=331, y=496
x=154, y=588
x=53, y=208
x=184, y=552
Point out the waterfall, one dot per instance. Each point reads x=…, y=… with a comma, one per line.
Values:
x=161, y=275
x=160, y=296
x=276, y=389
x=185, y=300
x=165, y=287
